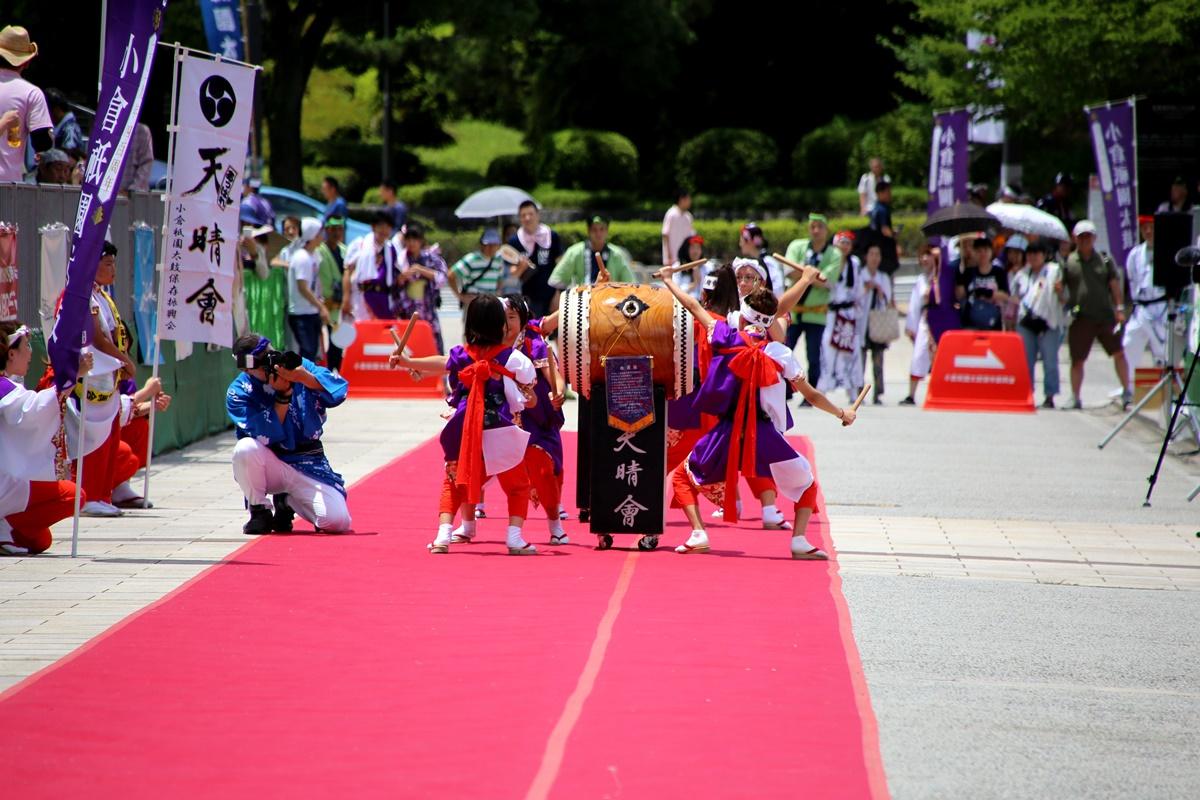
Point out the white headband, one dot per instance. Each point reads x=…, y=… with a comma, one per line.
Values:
x=16, y=335
x=710, y=282
x=738, y=263
x=756, y=318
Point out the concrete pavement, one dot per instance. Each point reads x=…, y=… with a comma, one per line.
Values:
x=1027, y=628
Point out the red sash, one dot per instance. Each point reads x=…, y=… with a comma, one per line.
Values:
x=470, y=448
x=755, y=369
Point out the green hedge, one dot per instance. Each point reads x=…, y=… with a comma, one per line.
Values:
x=726, y=159
x=514, y=169
x=585, y=159
x=821, y=158
x=644, y=239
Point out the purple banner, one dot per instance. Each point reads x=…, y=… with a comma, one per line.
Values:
x=130, y=41
x=948, y=159
x=1111, y=129
x=629, y=388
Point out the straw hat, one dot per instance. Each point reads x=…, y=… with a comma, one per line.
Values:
x=15, y=46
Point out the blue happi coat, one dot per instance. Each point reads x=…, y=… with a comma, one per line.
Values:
x=250, y=403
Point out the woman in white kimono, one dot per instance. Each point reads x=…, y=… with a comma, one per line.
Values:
x=877, y=293
x=31, y=497
x=841, y=343
x=915, y=324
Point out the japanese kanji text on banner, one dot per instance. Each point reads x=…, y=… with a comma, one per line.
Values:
x=200, y=236
x=1111, y=127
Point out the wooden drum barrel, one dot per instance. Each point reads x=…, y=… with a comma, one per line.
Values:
x=625, y=319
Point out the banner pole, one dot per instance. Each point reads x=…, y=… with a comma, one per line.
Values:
x=79, y=460
x=103, y=34
x=173, y=127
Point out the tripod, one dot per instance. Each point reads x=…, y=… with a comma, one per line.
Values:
x=1169, y=384
x=1162, y=453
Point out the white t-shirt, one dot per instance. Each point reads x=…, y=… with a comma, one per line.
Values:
x=677, y=227
x=302, y=267
x=866, y=185
x=18, y=94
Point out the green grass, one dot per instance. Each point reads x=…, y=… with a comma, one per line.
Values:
x=336, y=99
x=465, y=162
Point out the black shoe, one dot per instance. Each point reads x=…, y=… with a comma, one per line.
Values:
x=908, y=401
x=282, y=523
x=1048, y=402
x=260, y=521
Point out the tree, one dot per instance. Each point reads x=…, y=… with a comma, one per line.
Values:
x=293, y=31
x=1050, y=59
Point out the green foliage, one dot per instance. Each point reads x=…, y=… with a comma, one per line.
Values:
x=643, y=239
x=726, y=159
x=901, y=139
x=588, y=159
x=346, y=176
x=473, y=145
x=1099, y=49
x=513, y=170
x=822, y=157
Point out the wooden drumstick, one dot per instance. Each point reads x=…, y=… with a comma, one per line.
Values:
x=861, y=396
x=602, y=276
x=690, y=265
x=401, y=341
x=787, y=262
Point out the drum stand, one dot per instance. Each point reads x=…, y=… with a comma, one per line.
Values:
x=1171, y=387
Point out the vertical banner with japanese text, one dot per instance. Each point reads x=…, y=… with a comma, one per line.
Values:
x=131, y=31
x=948, y=159
x=223, y=27
x=200, y=231
x=1111, y=129
x=8, y=273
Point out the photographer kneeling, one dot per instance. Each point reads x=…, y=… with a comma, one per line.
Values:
x=278, y=408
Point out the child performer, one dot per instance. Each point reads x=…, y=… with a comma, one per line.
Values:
x=31, y=499
x=544, y=419
x=744, y=390
x=490, y=383
x=685, y=424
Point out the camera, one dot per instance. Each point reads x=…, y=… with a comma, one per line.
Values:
x=270, y=361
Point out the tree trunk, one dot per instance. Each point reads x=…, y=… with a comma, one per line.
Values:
x=291, y=40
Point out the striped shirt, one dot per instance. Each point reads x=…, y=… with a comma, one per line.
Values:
x=474, y=274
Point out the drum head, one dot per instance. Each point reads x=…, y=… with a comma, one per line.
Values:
x=344, y=334
x=509, y=254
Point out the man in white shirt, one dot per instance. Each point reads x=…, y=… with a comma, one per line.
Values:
x=677, y=226
x=306, y=312
x=866, y=185
x=24, y=116
x=1148, y=323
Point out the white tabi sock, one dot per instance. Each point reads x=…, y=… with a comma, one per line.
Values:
x=772, y=515
x=556, y=528
x=514, y=537
x=124, y=492
x=801, y=544
x=443, y=534
x=697, y=538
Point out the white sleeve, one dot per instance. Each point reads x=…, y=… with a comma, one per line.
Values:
x=916, y=304
x=862, y=183
x=125, y=415
x=783, y=356
x=522, y=369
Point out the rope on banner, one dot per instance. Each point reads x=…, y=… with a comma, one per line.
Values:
x=214, y=56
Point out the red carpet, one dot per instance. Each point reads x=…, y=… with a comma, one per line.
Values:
x=309, y=666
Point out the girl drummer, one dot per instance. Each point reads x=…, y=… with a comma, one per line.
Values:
x=31, y=497
x=744, y=391
x=490, y=383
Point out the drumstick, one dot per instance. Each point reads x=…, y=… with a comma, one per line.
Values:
x=689, y=265
x=787, y=262
x=861, y=396
x=401, y=341
x=602, y=276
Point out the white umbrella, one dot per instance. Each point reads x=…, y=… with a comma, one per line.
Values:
x=1027, y=219
x=496, y=201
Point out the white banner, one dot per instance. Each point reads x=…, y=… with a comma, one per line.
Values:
x=200, y=235
x=56, y=244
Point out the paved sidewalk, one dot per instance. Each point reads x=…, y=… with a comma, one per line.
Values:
x=1020, y=614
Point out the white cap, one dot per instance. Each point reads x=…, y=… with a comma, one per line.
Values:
x=1084, y=226
x=1016, y=242
x=310, y=228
